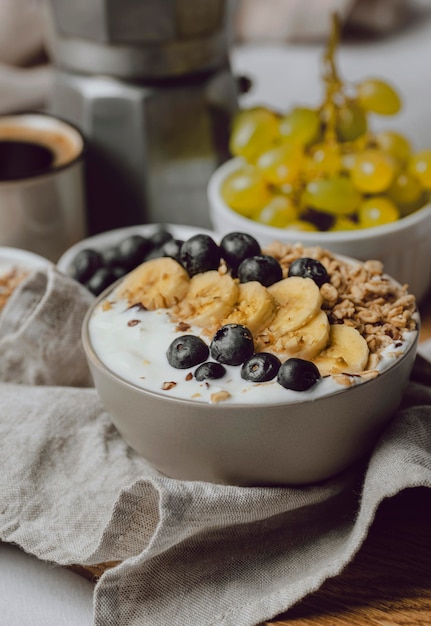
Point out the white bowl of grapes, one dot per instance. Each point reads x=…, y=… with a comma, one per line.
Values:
x=223, y=360
x=323, y=176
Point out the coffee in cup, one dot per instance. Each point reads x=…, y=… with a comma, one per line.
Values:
x=42, y=196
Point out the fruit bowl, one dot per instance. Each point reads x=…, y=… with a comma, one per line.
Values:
x=402, y=246
x=330, y=175
x=152, y=337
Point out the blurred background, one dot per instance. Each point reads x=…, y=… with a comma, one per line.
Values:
x=153, y=84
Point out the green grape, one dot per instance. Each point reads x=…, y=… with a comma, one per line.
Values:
x=377, y=211
x=281, y=164
x=351, y=122
x=300, y=126
x=253, y=131
x=420, y=166
x=279, y=212
x=245, y=190
x=325, y=159
x=342, y=222
x=335, y=195
x=373, y=171
x=406, y=190
x=394, y=144
x=348, y=162
x=378, y=96
x=286, y=189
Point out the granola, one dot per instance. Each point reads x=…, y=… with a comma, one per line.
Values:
x=359, y=295
x=9, y=282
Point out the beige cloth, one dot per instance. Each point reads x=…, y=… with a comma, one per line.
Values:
x=191, y=554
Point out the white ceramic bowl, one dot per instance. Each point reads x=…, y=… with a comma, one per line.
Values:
x=404, y=246
x=292, y=442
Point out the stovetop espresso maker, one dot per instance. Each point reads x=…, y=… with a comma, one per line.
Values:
x=149, y=84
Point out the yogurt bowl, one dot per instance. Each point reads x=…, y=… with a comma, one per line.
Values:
x=235, y=431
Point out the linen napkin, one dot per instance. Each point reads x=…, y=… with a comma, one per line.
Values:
x=181, y=553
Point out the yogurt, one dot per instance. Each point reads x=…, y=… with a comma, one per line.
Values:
x=132, y=343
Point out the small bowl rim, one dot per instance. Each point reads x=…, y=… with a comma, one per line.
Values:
x=24, y=258
x=318, y=238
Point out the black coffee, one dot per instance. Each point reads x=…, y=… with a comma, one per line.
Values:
x=23, y=159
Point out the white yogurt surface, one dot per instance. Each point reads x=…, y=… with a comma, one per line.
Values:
x=133, y=343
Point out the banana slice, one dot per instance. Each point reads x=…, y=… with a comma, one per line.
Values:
x=347, y=352
x=209, y=299
x=156, y=284
x=298, y=301
x=304, y=343
x=255, y=307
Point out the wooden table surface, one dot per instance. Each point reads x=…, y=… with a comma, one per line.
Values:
x=389, y=581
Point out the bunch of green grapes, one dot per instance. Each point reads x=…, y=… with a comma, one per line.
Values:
x=323, y=168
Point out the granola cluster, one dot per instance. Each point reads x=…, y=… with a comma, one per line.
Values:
x=358, y=294
x=9, y=282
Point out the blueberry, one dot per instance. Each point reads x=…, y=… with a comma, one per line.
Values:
x=154, y=253
x=200, y=253
x=85, y=264
x=110, y=256
x=298, y=374
x=309, y=268
x=210, y=370
x=187, y=351
x=101, y=279
x=232, y=344
x=172, y=248
x=132, y=251
x=235, y=247
x=118, y=272
x=262, y=267
x=260, y=367
x=159, y=237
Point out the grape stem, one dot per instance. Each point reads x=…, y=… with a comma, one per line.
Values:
x=329, y=56
x=333, y=83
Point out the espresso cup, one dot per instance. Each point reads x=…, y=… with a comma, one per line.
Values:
x=42, y=184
